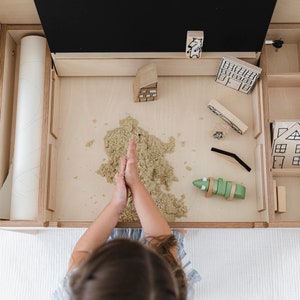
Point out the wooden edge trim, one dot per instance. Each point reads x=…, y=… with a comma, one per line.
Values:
x=24, y=27
x=173, y=225
x=44, y=149
x=3, y=31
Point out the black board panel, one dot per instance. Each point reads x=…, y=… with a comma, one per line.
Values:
x=153, y=26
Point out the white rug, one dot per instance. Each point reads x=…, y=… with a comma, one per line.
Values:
x=235, y=264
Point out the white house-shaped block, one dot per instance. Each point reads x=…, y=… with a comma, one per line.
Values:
x=286, y=144
x=194, y=44
x=238, y=74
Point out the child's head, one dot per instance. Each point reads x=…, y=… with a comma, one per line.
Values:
x=125, y=269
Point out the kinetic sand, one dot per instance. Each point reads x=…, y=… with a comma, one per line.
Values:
x=155, y=171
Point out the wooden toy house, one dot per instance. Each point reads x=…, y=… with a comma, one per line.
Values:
x=286, y=145
x=145, y=84
x=238, y=74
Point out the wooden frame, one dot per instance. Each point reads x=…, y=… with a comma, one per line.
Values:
x=127, y=64
x=89, y=65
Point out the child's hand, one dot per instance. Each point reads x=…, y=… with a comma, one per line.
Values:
x=131, y=170
x=120, y=197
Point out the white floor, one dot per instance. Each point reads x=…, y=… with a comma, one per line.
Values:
x=241, y=264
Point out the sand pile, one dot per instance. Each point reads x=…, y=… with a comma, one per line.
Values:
x=154, y=170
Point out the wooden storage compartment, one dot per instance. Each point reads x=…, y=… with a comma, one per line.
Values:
x=285, y=59
x=91, y=106
x=292, y=187
x=10, y=39
x=282, y=102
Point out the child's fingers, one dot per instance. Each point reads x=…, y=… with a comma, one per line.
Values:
x=131, y=150
x=122, y=166
x=121, y=174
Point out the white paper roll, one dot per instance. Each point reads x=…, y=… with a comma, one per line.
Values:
x=28, y=135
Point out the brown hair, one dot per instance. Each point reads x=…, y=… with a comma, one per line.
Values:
x=127, y=270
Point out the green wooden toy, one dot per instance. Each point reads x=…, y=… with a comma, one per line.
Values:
x=228, y=189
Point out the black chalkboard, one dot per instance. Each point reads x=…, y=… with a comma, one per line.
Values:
x=153, y=26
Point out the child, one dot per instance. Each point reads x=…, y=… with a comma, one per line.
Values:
x=147, y=263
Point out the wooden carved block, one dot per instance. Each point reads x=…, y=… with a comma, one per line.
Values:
x=237, y=74
x=281, y=199
x=227, y=116
x=145, y=84
x=227, y=189
x=194, y=44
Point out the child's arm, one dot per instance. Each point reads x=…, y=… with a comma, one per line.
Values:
x=99, y=231
x=153, y=222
